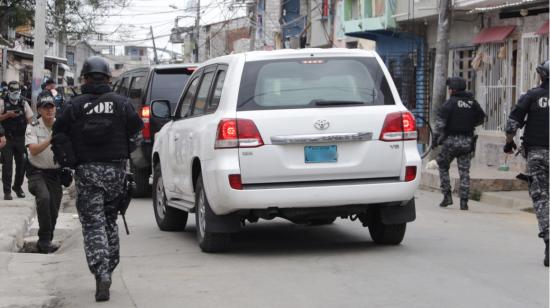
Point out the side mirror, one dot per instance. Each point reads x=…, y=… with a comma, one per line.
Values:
x=161, y=109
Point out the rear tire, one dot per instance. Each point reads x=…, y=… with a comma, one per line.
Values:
x=168, y=218
x=141, y=178
x=385, y=234
x=208, y=241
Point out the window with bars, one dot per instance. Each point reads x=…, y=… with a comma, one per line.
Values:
x=462, y=66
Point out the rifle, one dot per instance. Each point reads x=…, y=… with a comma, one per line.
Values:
x=129, y=186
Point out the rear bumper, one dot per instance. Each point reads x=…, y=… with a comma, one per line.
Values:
x=224, y=200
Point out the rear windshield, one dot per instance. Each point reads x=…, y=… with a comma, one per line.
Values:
x=313, y=83
x=168, y=84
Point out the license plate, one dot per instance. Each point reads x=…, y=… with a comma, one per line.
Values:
x=321, y=154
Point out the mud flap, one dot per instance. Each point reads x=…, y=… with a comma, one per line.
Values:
x=393, y=215
x=229, y=223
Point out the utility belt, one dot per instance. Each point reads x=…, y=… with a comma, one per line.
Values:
x=49, y=173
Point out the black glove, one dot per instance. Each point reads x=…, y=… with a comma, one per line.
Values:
x=509, y=147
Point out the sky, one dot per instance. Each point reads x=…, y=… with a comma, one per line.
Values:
x=132, y=24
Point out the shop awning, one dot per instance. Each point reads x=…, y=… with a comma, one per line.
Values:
x=544, y=29
x=493, y=34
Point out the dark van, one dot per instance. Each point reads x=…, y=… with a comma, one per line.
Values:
x=142, y=86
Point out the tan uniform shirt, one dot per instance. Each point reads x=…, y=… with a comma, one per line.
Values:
x=36, y=134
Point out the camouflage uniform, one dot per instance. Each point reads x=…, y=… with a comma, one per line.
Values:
x=99, y=186
x=458, y=147
x=537, y=167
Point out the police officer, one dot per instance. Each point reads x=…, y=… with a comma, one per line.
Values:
x=534, y=106
x=50, y=86
x=43, y=173
x=100, y=124
x=454, y=130
x=15, y=114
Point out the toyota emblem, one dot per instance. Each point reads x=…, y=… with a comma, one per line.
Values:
x=321, y=124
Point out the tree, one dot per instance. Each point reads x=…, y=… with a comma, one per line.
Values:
x=15, y=13
x=75, y=19
x=79, y=18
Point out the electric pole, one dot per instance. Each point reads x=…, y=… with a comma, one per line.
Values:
x=252, y=14
x=197, y=30
x=439, y=92
x=39, y=49
x=154, y=46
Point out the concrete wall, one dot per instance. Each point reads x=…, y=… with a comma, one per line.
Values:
x=224, y=38
x=272, y=28
x=81, y=52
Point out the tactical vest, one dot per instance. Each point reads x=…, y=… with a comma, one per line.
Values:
x=536, y=127
x=15, y=127
x=99, y=135
x=464, y=115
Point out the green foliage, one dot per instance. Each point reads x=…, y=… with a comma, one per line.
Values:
x=17, y=12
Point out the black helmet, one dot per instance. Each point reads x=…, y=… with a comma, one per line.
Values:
x=542, y=69
x=456, y=83
x=97, y=65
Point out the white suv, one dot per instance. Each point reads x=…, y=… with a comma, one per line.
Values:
x=307, y=135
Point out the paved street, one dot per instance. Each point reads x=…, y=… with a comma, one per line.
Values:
x=487, y=257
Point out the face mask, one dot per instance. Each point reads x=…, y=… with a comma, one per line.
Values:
x=14, y=96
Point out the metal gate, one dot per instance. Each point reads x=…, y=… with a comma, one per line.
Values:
x=534, y=50
x=497, y=84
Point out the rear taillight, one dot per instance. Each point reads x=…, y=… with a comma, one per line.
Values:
x=146, y=117
x=238, y=133
x=399, y=126
x=235, y=181
x=410, y=173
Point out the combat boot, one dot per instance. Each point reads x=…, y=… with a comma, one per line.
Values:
x=447, y=200
x=102, y=285
x=46, y=247
x=464, y=204
x=546, y=254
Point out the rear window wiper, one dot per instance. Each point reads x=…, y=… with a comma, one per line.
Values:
x=323, y=102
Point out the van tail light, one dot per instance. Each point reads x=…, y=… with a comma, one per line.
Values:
x=237, y=133
x=410, y=173
x=235, y=181
x=399, y=126
x=146, y=118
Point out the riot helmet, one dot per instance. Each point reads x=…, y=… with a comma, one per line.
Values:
x=95, y=65
x=14, y=91
x=456, y=83
x=543, y=70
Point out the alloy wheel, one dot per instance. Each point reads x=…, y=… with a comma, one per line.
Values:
x=201, y=211
x=161, y=199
